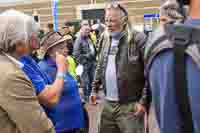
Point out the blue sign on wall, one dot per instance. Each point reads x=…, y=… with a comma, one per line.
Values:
x=55, y=14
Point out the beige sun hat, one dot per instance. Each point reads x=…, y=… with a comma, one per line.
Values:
x=50, y=40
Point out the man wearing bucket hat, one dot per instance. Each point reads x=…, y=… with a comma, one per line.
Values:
x=48, y=93
x=67, y=115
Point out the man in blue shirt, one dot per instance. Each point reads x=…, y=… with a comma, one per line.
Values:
x=161, y=81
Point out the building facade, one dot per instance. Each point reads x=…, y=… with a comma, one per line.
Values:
x=71, y=10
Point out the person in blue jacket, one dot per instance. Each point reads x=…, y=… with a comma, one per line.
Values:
x=161, y=81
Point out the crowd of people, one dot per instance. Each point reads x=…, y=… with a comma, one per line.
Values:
x=143, y=76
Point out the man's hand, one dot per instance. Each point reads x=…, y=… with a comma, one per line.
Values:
x=95, y=87
x=96, y=84
x=93, y=99
x=61, y=62
x=140, y=109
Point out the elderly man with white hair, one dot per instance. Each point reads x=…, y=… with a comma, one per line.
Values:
x=20, y=111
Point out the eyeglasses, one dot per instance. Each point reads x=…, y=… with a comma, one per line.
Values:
x=117, y=6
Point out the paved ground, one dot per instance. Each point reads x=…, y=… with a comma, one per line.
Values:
x=94, y=114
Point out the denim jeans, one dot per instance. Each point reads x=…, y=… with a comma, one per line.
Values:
x=87, y=78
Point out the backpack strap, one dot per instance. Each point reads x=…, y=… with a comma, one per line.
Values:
x=181, y=86
x=181, y=38
x=154, y=45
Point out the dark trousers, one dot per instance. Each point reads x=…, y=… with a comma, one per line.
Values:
x=87, y=78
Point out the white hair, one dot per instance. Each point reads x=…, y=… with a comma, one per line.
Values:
x=117, y=7
x=15, y=26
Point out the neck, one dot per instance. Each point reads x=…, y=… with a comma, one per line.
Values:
x=194, y=9
x=15, y=55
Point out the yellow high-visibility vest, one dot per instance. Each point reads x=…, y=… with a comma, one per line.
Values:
x=71, y=66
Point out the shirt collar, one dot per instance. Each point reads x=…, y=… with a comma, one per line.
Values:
x=18, y=63
x=50, y=62
x=192, y=22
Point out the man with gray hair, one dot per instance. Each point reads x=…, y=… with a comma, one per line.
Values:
x=20, y=111
x=120, y=73
x=170, y=12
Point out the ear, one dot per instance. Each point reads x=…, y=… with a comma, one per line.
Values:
x=34, y=42
x=125, y=21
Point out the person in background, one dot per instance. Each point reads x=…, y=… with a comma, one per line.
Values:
x=67, y=30
x=41, y=34
x=67, y=33
x=67, y=115
x=85, y=54
x=71, y=63
x=50, y=27
x=93, y=37
x=120, y=72
x=98, y=29
x=20, y=111
x=35, y=53
x=48, y=93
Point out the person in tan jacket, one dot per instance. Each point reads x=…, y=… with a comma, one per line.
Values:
x=20, y=111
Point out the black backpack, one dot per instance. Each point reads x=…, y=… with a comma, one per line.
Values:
x=182, y=40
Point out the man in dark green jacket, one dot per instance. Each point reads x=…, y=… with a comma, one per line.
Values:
x=120, y=71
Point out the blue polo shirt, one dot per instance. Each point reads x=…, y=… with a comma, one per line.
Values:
x=68, y=113
x=38, y=78
x=163, y=95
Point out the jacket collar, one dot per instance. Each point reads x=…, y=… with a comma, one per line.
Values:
x=18, y=63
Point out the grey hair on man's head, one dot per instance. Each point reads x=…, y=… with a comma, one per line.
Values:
x=15, y=26
x=116, y=6
x=171, y=9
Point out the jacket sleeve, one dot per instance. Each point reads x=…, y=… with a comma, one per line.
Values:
x=146, y=96
x=77, y=51
x=99, y=70
x=22, y=106
x=99, y=44
x=140, y=39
